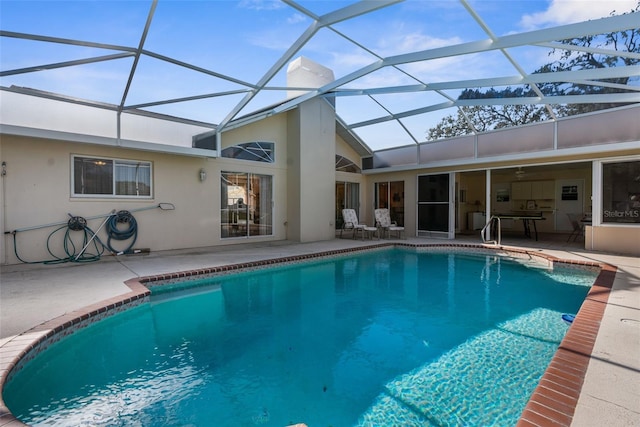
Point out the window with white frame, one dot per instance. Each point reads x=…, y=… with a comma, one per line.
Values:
x=621, y=192
x=105, y=177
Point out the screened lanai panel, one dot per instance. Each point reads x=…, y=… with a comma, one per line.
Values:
x=206, y=110
x=176, y=82
x=389, y=76
x=616, y=126
x=98, y=82
x=327, y=48
x=354, y=109
x=29, y=111
x=396, y=157
x=385, y=135
x=405, y=106
x=398, y=59
x=455, y=68
x=227, y=37
x=420, y=124
x=137, y=127
x=515, y=140
x=81, y=20
x=449, y=149
x=90, y=124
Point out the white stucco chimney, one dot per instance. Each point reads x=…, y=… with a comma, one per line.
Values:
x=304, y=73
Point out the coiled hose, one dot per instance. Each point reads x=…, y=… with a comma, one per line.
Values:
x=119, y=226
x=122, y=226
x=75, y=223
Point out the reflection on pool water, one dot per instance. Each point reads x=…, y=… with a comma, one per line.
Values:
x=394, y=337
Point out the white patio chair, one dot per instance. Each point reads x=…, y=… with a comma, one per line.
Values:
x=384, y=223
x=350, y=222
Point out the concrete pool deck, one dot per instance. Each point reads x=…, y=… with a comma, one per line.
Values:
x=610, y=395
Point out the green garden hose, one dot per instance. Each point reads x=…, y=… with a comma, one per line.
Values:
x=75, y=223
x=120, y=226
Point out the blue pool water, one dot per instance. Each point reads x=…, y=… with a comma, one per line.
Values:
x=391, y=337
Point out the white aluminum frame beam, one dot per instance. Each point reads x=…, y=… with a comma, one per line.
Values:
x=555, y=38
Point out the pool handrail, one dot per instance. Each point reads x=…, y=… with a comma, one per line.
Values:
x=483, y=233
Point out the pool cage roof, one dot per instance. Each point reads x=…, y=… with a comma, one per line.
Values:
x=399, y=67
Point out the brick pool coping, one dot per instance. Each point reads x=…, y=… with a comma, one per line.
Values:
x=555, y=398
x=553, y=401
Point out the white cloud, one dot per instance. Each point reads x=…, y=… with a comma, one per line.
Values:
x=391, y=44
x=562, y=12
x=404, y=42
x=296, y=18
x=345, y=62
x=271, y=40
x=260, y=4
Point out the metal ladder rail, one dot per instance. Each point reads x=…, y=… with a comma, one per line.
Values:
x=498, y=241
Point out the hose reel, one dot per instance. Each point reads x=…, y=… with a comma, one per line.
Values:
x=77, y=223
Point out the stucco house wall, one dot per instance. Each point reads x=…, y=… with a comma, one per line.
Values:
x=343, y=149
x=37, y=191
x=311, y=172
x=39, y=137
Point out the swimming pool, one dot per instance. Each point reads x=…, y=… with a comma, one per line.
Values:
x=388, y=335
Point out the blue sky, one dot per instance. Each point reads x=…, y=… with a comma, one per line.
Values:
x=244, y=39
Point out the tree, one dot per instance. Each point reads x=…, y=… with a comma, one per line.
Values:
x=624, y=41
x=481, y=118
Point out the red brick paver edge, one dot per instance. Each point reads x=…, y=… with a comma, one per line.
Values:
x=554, y=400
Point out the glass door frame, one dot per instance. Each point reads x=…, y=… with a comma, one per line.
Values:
x=390, y=195
x=450, y=203
x=246, y=205
x=349, y=200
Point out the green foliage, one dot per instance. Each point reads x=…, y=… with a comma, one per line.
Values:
x=523, y=111
x=487, y=117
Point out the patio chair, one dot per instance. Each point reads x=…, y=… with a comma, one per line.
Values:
x=350, y=222
x=384, y=223
x=578, y=226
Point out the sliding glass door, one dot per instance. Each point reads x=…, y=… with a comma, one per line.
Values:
x=390, y=195
x=435, y=207
x=347, y=197
x=246, y=204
